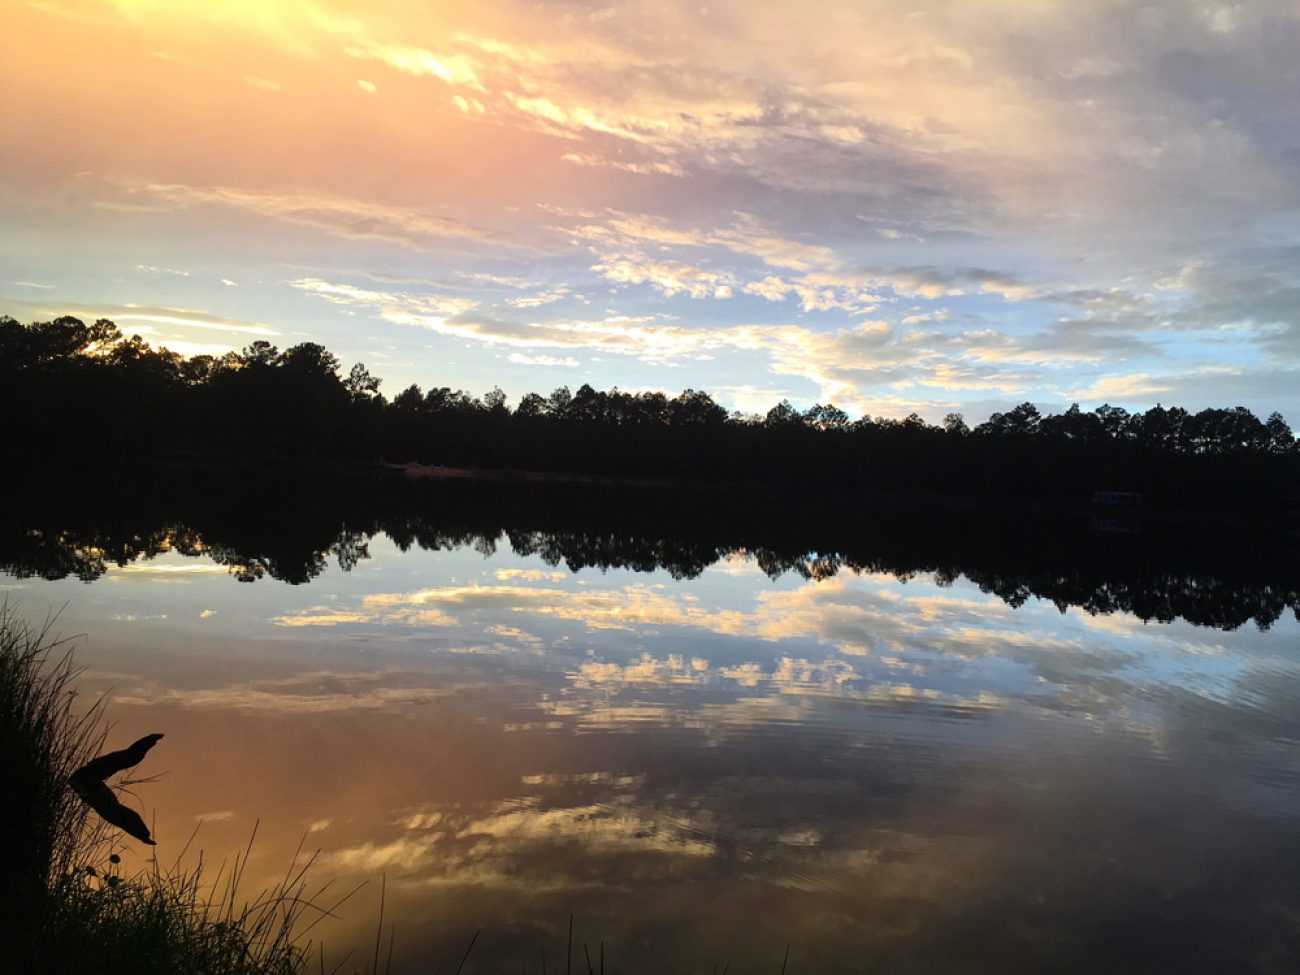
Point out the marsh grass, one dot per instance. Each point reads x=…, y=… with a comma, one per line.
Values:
x=174, y=920
x=64, y=904
x=43, y=739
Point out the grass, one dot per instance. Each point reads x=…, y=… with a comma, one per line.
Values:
x=43, y=825
x=64, y=905
x=171, y=920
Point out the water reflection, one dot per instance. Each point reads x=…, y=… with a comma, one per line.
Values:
x=1221, y=577
x=914, y=755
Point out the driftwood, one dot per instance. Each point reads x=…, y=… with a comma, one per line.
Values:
x=88, y=783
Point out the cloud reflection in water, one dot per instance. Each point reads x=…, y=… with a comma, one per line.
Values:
x=899, y=776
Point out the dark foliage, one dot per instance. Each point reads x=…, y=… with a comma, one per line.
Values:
x=86, y=389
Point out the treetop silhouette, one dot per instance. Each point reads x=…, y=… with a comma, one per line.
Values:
x=88, y=389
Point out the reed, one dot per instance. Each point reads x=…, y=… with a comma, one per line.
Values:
x=64, y=903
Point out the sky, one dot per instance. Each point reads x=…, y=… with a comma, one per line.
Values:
x=896, y=206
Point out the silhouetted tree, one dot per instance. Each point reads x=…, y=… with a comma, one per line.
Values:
x=101, y=392
x=361, y=385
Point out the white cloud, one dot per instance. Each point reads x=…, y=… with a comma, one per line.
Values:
x=667, y=277
x=346, y=294
x=1126, y=388
x=520, y=359
x=542, y=298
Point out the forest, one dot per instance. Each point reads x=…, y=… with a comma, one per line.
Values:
x=70, y=388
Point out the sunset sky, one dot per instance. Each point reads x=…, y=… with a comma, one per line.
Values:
x=901, y=205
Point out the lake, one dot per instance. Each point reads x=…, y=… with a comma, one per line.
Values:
x=885, y=740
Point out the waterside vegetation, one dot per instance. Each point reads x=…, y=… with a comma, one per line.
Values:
x=65, y=904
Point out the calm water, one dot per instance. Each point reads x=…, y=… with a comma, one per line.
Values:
x=701, y=752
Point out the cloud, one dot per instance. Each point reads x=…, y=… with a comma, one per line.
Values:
x=454, y=69
x=1125, y=388
x=542, y=298
x=321, y=692
x=667, y=277
x=321, y=616
x=529, y=575
x=374, y=610
x=858, y=366
x=658, y=167
x=339, y=216
x=468, y=105
x=850, y=618
x=825, y=281
x=488, y=845
x=184, y=317
x=346, y=294
x=143, y=317
x=165, y=571
x=520, y=359
x=750, y=398
x=616, y=334
x=811, y=297
x=747, y=236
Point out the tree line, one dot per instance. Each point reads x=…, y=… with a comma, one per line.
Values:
x=68, y=386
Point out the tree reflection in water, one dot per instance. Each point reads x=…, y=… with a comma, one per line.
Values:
x=283, y=527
